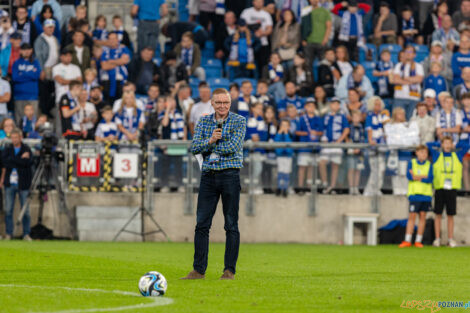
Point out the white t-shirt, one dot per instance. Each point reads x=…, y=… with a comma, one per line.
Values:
x=53, y=57
x=4, y=88
x=199, y=110
x=252, y=16
x=117, y=105
x=86, y=112
x=68, y=72
x=403, y=91
x=79, y=51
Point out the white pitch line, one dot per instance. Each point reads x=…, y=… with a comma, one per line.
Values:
x=157, y=301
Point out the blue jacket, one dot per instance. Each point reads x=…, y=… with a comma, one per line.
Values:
x=25, y=76
x=286, y=152
x=459, y=61
x=5, y=54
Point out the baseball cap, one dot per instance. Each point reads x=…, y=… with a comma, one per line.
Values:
x=310, y=100
x=335, y=99
x=25, y=46
x=4, y=13
x=430, y=93
x=48, y=22
x=436, y=43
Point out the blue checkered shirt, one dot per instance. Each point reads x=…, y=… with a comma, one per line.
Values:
x=229, y=147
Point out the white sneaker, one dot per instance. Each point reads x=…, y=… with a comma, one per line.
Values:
x=258, y=191
x=351, y=190
x=165, y=190
x=27, y=238
x=436, y=242
x=329, y=191
x=452, y=243
x=356, y=191
x=181, y=189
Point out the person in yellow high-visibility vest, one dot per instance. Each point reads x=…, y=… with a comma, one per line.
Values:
x=420, y=176
x=447, y=170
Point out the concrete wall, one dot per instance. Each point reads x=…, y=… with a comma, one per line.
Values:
x=276, y=219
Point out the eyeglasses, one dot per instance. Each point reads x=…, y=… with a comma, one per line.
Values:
x=218, y=103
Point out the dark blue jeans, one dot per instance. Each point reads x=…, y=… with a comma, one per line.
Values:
x=216, y=184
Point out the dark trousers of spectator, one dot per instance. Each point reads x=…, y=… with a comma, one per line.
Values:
x=216, y=184
x=147, y=34
x=171, y=170
x=10, y=195
x=351, y=45
x=106, y=89
x=46, y=97
x=262, y=58
x=313, y=51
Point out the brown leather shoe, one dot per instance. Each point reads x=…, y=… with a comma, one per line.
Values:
x=227, y=275
x=194, y=275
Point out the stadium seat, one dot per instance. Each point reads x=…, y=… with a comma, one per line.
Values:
x=208, y=51
x=213, y=68
x=363, y=53
x=369, y=67
x=253, y=81
x=422, y=52
x=394, y=50
x=218, y=82
x=194, y=83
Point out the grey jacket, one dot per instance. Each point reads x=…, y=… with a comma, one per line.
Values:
x=41, y=50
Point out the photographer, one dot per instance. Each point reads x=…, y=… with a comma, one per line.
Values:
x=16, y=177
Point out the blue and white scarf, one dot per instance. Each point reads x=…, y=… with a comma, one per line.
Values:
x=274, y=72
x=74, y=119
x=346, y=28
x=187, y=56
x=28, y=125
x=120, y=33
x=465, y=122
x=233, y=56
x=243, y=107
x=150, y=106
x=25, y=32
x=100, y=34
x=88, y=86
x=220, y=7
x=129, y=122
x=116, y=74
x=105, y=130
x=383, y=82
x=408, y=25
x=453, y=123
x=176, y=124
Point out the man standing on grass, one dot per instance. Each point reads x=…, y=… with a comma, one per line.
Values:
x=219, y=139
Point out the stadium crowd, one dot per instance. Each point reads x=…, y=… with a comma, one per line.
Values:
x=322, y=71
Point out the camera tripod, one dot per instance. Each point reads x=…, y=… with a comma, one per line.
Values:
x=43, y=180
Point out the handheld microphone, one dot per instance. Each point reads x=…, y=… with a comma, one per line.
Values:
x=220, y=124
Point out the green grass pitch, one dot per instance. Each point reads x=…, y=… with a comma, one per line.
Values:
x=77, y=277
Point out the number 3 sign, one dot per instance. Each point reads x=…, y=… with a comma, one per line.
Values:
x=125, y=165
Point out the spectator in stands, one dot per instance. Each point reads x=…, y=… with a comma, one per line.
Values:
x=353, y=104
x=438, y=54
x=129, y=119
x=100, y=34
x=113, y=67
x=261, y=23
x=274, y=73
x=355, y=159
x=316, y=27
x=128, y=87
x=461, y=89
x=461, y=17
x=96, y=98
x=90, y=79
x=342, y=63
x=384, y=70
x=326, y=72
x=293, y=117
x=448, y=120
x=202, y=108
x=151, y=101
x=358, y=80
x=228, y=28
x=172, y=72
x=465, y=138
x=446, y=183
x=24, y=26
x=176, y=30
x=377, y=117
x=38, y=8
x=446, y=34
x=190, y=55
x=148, y=14
x=26, y=72
x=123, y=36
x=290, y=98
x=234, y=90
x=386, y=25
x=143, y=71
x=47, y=14
x=434, y=21
x=183, y=99
x=28, y=122
x=321, y=101
x=81, y=56
x=107, y=129
x=286, y=37
x=435, y=80
x=69, y=108
x=409, y=28
x=262, y=95
x=301, y=73
x=16, y=177
x=6, y=127
x=97, y=52
x=431, y=103
x=242, y=47
x=335, y=130
x=351, y=33
x=87, y=116
x=407, y=78
x=63, y=73
x=6, y=30
x=5, y=97
x=461, y=59
x=426, y=124
x=310, y=129
x=256, y=132
x=10, y=54
x=246, y=99
x=284, y=158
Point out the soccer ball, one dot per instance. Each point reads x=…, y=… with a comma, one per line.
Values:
x=152, y=284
